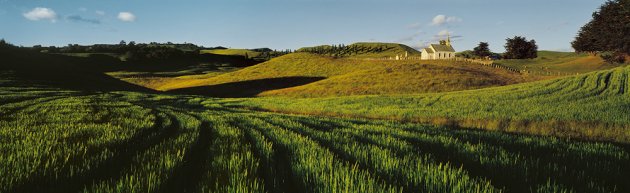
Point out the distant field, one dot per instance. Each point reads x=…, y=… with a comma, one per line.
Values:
x=237, y=52
x=351, y=76
x=559, y=63
x=58, y=140
x=157, y=80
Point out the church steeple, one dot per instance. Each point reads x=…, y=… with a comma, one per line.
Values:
x=448, y=39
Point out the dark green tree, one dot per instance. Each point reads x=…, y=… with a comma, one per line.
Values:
x=482, y=50
x=609, y=31
x=519, y=48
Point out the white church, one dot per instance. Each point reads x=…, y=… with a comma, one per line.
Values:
x=441, y=51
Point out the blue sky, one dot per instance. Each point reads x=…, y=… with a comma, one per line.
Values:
x=291, y=24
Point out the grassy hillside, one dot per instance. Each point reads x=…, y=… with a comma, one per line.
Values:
x=559, y=63
x=589, y=106
x=363, y=50
x=403, y=79
x=351, y=76
x=60, y=140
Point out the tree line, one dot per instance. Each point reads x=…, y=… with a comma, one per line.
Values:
x=341, y=50
x=132, y=51
x=515, y=48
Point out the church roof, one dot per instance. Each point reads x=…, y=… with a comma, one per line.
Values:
x=442, y=48
x=429, y=50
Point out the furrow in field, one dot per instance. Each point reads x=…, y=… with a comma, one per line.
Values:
x=390, y=158
x=604, y=83
x=340, y=152
x=186, y=176
x=528, y=165
x=274, y=169
x=511, y=161
x=316, y=168
x=148, y=164
x=11, y=108
x=93, y=163
x=234, y=167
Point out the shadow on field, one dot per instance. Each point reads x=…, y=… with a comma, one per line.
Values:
x=248, y=88
x=88, y=73
x=76, y=73
x=187, y=176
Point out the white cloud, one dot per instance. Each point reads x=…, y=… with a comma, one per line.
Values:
x=126, y=16
x=100, y=13
x=41, y=13
x=443, y=19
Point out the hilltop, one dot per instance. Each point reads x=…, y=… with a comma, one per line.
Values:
x=260, y=54
x=363, y=50
x=237, y=52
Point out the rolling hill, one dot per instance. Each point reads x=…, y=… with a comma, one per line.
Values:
x=327, y=76
x=402, y=78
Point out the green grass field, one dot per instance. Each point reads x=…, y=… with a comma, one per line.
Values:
x=59, y=140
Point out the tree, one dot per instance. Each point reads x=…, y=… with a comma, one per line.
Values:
x=482, y=50
x=587, y=40
x=607, y=31
x=5, y=45
x=122, y=43
x=519, y=48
